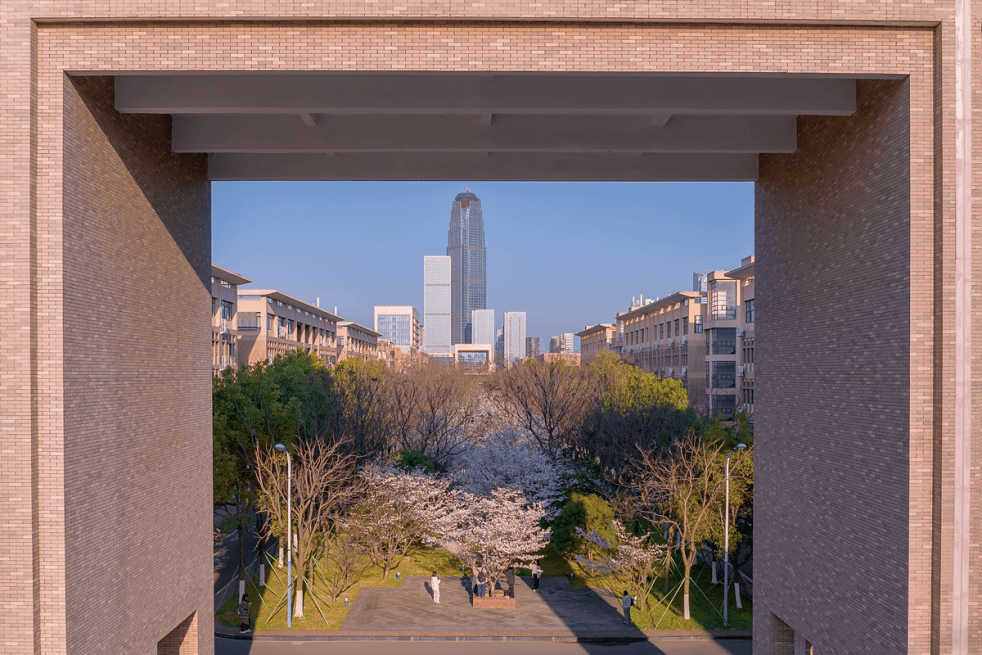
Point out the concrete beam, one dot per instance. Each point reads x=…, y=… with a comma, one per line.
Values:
x=385, y=93
x=456, y=133
x=479, y=166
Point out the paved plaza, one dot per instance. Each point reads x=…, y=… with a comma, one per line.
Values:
x=556, y=606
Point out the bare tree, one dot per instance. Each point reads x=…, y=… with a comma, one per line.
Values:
x=360, y=398
x=322, y=475
x=684, y=490
x=550, y=400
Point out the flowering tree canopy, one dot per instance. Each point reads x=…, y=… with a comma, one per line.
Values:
x=502, y=529
x=505, y=460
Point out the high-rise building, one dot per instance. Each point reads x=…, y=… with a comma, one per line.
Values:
x=532, y=348
x=436, y=305
x=468, y=277
x=483, y=326
x=398, y=324
x=514, y=342
x=566, y=343
x=554, y=344
x=499, y=348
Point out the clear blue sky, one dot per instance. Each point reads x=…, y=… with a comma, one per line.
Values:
x=568, y=254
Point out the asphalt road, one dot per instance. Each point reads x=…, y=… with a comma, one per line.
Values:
x=667, y=647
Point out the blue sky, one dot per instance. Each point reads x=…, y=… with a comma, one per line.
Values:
x=568, y=254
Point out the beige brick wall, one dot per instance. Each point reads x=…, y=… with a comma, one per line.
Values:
x=36, y=223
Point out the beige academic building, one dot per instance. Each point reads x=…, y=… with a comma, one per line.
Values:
x=357, y=341
x=857, y=121
x=271, y=323
x=224, y=334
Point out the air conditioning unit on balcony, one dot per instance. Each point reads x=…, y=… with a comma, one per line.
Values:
x=281, y=333
x=740, y=331
x=223, y=360
x=671, y=342
x=671, y=371
x=740, y=371
x=684, y=371
x=685, y=340
x=655, y=346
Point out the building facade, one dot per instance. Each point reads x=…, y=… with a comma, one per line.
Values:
x=271, y=323
x=499, y=348
x=224, y=332
x=483, y=326
x=474, y=358
x=567, y=344
x=398, y=324
x=595, y=339
x=532, y=346
x=357, y=342
x=468, y=265
x=730, y=323
x=437, y=306
x=514, y=337
x=554, y=343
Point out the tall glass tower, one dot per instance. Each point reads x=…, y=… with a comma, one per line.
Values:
x=468, y=265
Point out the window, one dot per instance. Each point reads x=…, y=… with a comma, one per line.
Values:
x=662, y=331
x=685, y=323
x=290, y=329
x=697, y=324
x=750, y=310
x=213, y=307
x=676, y=327
x=722, y=299
x=269, y=321
x=725, y=405
x=226, y=310
x=248, y=320
x=724, y=375
x=724, y=341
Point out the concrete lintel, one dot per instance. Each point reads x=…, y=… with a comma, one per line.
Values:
x=502, y=166
x=429, y=133
x=327, y=93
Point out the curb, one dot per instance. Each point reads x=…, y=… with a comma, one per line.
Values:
x=554, y=636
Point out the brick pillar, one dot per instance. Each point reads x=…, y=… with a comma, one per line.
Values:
x=835, y=505
x=182, y=640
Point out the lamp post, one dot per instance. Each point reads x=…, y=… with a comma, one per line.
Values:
x=726, y=541
x=289, y=534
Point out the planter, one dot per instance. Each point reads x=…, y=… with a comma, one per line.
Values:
x=496, y=602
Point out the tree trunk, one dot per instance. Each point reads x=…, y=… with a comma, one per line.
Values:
x=240, y=528
x=736, y=589
x=385, y=570
x=715, y=580
x=281, y=556
x=687, y=561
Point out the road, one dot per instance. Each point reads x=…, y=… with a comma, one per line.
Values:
x=666, y=647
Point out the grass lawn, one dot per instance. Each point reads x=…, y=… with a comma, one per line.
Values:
x=419, y=561
x=705, y=601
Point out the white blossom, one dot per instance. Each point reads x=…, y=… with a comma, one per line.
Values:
x=628, y=558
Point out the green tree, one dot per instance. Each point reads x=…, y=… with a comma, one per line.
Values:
x=590, y=513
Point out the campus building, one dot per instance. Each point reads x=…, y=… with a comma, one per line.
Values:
x=729, y=329
x=474, y=358
x=357, y=341
x=595, y=339
x=224, y=332
x=271, y=323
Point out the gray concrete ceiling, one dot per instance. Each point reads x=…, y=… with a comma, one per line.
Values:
x=509, y=126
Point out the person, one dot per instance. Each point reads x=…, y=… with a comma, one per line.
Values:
x=435, y=586
x=626, y=603
x=510, y=579
x=243, y=611
x=482, y=582
x=536, y=574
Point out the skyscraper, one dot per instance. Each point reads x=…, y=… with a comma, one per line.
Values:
x=514, y=327
x=468, y=265
x=483, y=322
x=436, y=305
x=566, y=343
x=532, y=348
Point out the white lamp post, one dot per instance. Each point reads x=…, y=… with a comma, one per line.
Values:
x=289, y=534
x=726, y=541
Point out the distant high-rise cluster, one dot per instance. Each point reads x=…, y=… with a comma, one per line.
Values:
x=468, y=266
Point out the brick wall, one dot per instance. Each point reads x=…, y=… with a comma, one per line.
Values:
x=137, y=378
x=833, y=273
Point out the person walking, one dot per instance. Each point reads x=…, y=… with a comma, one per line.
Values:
x=243, y=612
x=536, y=574
x=435, y=586
x=626, y=603
x=510, y=580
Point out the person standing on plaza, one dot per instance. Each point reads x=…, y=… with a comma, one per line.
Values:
x=243, y=612
x=435, y=586
x=626, y=603
x=510, y=580
x=482, y=582
x=536, y=574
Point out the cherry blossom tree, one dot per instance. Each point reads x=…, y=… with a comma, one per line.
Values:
x=506, y=460
x=627, y=559
x=502, y=529
x=393, y=511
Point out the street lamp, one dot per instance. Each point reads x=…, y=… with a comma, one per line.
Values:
x=289, y=534
x=726, y=541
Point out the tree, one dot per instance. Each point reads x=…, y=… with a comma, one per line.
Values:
x=501, y=529
x=505, y=460
x=322, y=481
x=391, y=513
x=547, y=399
x=626, y=558
x=582, y=513
x=362, y=420
x=685, y=491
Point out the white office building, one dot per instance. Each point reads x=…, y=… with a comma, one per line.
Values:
x=514, y=333
x=436, y=305
x=482, y=321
